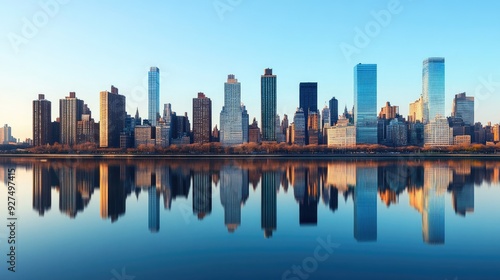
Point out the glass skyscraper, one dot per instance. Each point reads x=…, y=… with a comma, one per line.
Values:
x=463, y=107
x=365, y=103
x=231, y=121
x=153, y=94
x=268, y=97
x=433, y=89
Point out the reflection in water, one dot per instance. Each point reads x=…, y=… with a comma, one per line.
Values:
x=41, y=188
x=269, y=189
x=232, y=194
x=365, y=204
x=425, y=182
x=202, y=194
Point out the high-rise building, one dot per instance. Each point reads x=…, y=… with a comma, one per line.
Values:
x=416, y=111
x=308, y=95
x=70, y=112
x=365, y=103
x=202, y=119
x=299, y=128
x=463, y=107
x=388, y=112
x=433, y=89
x=438, y=133
x=231, y=123
x=308, y=100
x=325, y=117
x=85, y=130
x=268, y=103
x=153, y=95
x=333, y=104
x=41, y=121
x=112, y=108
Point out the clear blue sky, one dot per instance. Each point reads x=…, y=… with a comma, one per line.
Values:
x=87, y=46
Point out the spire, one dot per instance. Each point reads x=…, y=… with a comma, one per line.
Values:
x=137, y=113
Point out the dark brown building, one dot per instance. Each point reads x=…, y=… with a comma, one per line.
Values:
x=202, y=119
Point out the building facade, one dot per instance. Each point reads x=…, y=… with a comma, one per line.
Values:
x=42, y=121
x=365, y=103
x=433, y=88
x=202, y=119
x=333, y=105
x=231, y=123
x=153, y=95
x=268, y=103
x=463, y=107
x=112, y=123
x=70, y=112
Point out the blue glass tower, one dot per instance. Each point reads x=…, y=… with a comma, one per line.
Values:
x=365, y=103
x=433, y=89
x=153, y=94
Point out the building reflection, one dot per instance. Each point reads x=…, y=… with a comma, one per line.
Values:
x=365, y=204
x=112, y=190
x=269, y=188
x=202, y=194
x=41, y=188
x=153, y=209
x=231, y=194
x=425, y=182
x=70, y=199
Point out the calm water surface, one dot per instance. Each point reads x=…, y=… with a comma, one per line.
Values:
x=252, y=219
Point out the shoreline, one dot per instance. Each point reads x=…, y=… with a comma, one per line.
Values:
x=260, y=156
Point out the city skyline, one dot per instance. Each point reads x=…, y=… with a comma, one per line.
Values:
x=320, y=58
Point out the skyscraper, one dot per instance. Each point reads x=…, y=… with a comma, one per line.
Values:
x=112, y=108
x=334, y=111
x=231, y=123
x=299, y=132
x=308, y=100
x=433, y=89
x=365, y=103
x=308, y=97
x=202, y=119
x=268, y=101
x=41, y=121
x=70, y=112
x=153, y=94
x=463, y=107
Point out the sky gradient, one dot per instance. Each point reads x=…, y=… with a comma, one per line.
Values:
x=88, y=46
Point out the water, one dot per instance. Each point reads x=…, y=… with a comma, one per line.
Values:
x=252, y=219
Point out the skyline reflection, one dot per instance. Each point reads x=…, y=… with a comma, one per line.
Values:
x=425, y=183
